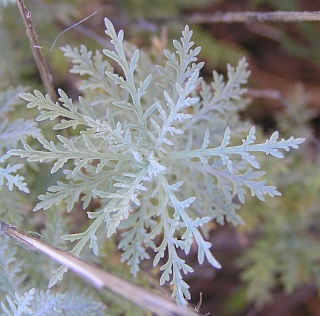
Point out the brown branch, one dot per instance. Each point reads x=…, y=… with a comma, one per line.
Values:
x=237, y=17
x=222, y=17
x=247, y=17
x=36, y=50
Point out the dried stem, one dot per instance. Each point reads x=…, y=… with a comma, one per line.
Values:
x=36, y=50
x=97, y=277
x=237, y=17
x=247, y=17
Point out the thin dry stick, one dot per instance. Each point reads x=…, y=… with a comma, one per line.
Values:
x=246, y=17
x=69, y=24
x=38, y=56
x=97, y=277
x=74, y=25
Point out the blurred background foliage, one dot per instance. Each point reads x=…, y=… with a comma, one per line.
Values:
x=271, y=265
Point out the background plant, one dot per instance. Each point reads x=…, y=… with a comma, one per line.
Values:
x=284, y=251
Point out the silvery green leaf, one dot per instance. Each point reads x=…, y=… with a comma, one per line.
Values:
x=161, y=150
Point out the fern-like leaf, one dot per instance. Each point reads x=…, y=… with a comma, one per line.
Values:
x=158, y=154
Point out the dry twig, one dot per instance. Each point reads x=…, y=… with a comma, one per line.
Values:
x=36, y=50
x=247, y=17
x=97, y=277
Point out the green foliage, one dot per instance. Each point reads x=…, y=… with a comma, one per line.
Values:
x=36, y=302
x=13, y=267
x=12, y=132
x=6, y=2
x=285, y=251
x=11, y=270
x=45, y=303
x=162, y=157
